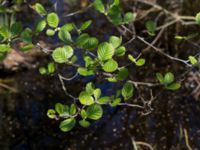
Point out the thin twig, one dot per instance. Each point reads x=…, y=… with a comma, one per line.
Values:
x=187, y=139
x=8, y=87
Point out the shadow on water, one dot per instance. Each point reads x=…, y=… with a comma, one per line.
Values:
x=25, y=126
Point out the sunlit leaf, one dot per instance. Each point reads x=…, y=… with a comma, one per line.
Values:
x=94, y=112
x=110, y=66
x=85, y=98
x=67, y=124
x=105, y=51
x=52, y=20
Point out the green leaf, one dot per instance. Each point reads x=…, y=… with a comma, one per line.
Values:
x=129, y=17
x=127, y=90
x=4, y=32
x=16, y=28
x=120, y=51
x=160, y=78
x=94, y=112
x=97, y=93
x=151, y=27
x=140, y=62
x=72, y=109
x=98, y=5
x=192, y=60
x=82, y=40
x=84, y=123
x=51, y=68
x=88, y=61
x=67, y=124
x=85, y=25
x=90, y=88
x=114, y=3
x=105, y=51
x=40, y=25
x=168, y=78
x=4, y=48
x=26, y=47
x=59, y=108
x=85, y=72
x=115, y=16
x=112, y=79
x=65, y=36
x=40, y=9
x=50, y=32
x=68, y=27
x=85, y=98
x=116, y=102
x=91, y=43
x=52, y=20
x=62, y=54
x=110, y=66
x=104, y=100
x=51, y=113
x=173, y=86
x=122, y=74
x=115, y=41
x=42, y=70
x=131, y=58
x=26, y=35
x=83, y=114
x=197, y=18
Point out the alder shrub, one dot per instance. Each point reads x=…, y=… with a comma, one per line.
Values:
x=100, y=58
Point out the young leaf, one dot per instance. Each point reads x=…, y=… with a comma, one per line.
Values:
x=160, y=78
x=50, y=32
x=16, y=28
x=140, y=62
x=26, y=35
x=4, y=32
x=68, y=27
x=197, y=18
x=127, y=90
x=83, y=114
x=120, y=51
x=115, y=102
x=173, y=86
x=192, y=60
x=115, y=41
x=65, y=36
x=91, y=43
x=131, y=58
x=67, y=124
x=85, y=25
x=52, y=20
x=51, y=68
x=51, y=113
x=85, y=72
x=40, y=9
x=82, y=40
x=62, y=54
x=84, y=123
x=40, y=25
x=98, y=5
x=72, y=109
x=105, y=51
x=168, y=78
x=129, y=17
x=122, y=74
x=115, y=16
x=42, y=70
x=151, y=27
x=94, y=112
x=85, y=98
x=59, y=108
x=110, y=66
x=104, y=100
x=4, y=48
x=97, y=93
x=90, y=88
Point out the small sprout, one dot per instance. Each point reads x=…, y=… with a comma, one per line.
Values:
x=151, y=28
x=140, y=62
x=42, y=70
x=192, y=60
x=51, y=113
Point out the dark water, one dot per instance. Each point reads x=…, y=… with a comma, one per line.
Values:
x=25, y=126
